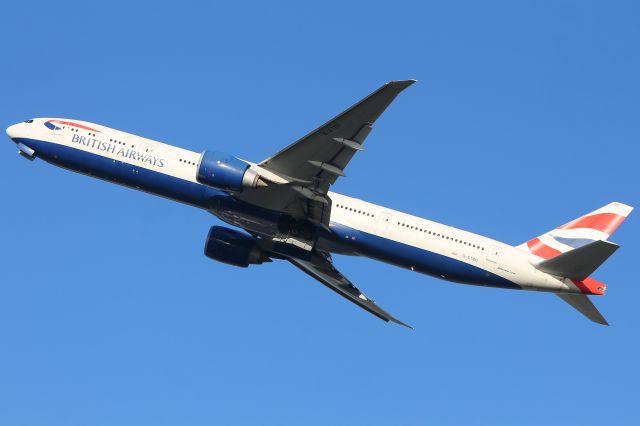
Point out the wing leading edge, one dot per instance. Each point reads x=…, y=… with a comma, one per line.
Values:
x=322, y=269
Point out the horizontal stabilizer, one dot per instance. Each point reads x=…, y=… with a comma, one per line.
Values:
x=582, y=304
x=580, y=262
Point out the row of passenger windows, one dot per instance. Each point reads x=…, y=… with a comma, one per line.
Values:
x=73, y=129
x=187, y=162
x=362, y=212
x=415, y=228
x=118, y=142
x=110, y=140
x=445, y=237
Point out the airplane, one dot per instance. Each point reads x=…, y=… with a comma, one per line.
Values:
x=284, y=209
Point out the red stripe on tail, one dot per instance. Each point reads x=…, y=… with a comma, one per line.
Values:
x=539, y=248
x=590, y=286
x=605, y=222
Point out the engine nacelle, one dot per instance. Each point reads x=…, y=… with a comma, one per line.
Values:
x=226, y=172
x=233, y=247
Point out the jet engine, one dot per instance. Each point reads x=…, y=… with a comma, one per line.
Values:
x=226, y=172
x=233, y=247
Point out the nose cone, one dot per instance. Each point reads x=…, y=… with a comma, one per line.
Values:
x=12, y=131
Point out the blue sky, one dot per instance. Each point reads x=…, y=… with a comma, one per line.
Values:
x=525, y=116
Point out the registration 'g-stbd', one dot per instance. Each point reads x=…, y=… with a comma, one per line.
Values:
x=281, y=208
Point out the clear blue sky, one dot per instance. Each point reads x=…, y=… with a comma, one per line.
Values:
x=525, y=116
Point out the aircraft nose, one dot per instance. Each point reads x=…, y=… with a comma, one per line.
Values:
x=12, y=131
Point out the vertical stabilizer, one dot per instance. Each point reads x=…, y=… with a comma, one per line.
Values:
x=595, y=226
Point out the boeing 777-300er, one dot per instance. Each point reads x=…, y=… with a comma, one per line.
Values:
x=285, y=210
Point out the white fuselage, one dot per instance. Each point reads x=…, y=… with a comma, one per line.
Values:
x=360, y=222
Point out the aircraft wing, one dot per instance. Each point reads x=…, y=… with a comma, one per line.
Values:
x=321, y=156
x=321, y=268
x=314, y=162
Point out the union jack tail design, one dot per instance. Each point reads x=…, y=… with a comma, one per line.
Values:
x=597, y=225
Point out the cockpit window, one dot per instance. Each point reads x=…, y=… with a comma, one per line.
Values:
x=28, y=121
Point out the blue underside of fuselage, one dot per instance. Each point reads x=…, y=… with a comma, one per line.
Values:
x=417, y=259
x=361, y=243
x=123, y=173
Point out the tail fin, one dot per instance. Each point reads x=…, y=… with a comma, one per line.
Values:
x=576, y=249
x=595, y=226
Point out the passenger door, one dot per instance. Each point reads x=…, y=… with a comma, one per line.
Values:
x=493, y=255
x=383, y=226
x=59, y=131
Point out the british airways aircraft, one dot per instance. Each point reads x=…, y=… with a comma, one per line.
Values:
x=285, y=210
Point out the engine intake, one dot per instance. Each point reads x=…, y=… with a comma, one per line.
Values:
x=233, y=247
x=226, y=172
